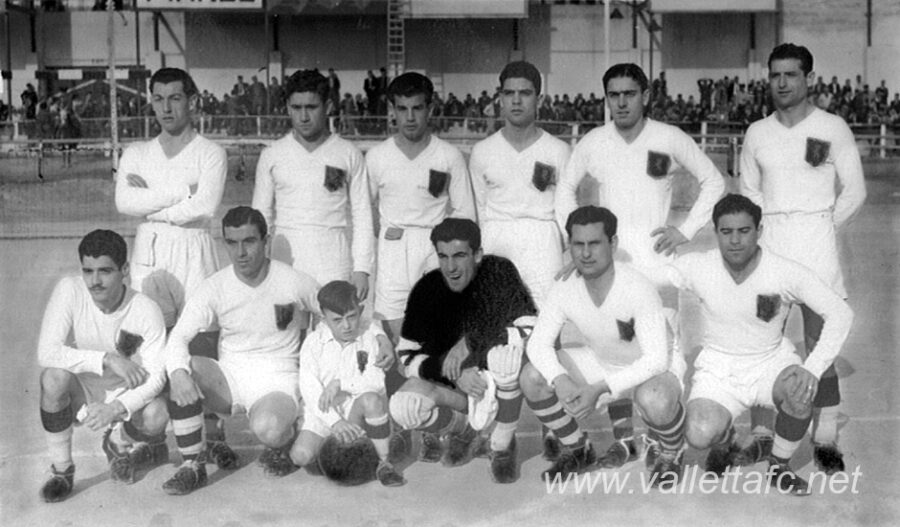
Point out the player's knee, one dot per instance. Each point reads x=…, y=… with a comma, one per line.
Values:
x=658, y=403
x=271, y=429
x=796, y=407
x=411, y=410
x=701, y=430
x=55, y=382
x=153, y=417
x=532, y=382
x=373, y=404
x=301, y=454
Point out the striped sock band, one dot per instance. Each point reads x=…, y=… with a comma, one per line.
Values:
x=550, y=412
x=620, y=414
x=187, y=423
x=670, y=435
x=378, y=427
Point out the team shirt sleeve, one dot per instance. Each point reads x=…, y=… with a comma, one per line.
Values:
x=479, y=185
x=462, y=200
x=199, y=315
x=135, y=201
x=689, y=155
x=264, y=187
x=751, y=174
x=808, y=289
x=540, y=348
x=363, y=243
x=202, y=204
x=152, y=359
x=55, y=328
x=566, y=198
x=848, y=165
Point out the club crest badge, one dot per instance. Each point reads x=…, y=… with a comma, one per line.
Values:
x=362, y=359
x=626, y=329
x=658, y=164
x=284, y=314
x=817, y=151
x=544, y=175
x=437, y=182
x=128, y=343
x=767, y=307
x=334, y=178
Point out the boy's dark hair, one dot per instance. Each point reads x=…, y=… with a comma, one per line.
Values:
x=411, y=84
x=735, y=204
x=103, y=242
x=338, y=297
x=244, y=215
x=457, y=229
x=591, y=214
x=169, y=75
x=521, y=69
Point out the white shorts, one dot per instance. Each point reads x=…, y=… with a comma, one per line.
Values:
x=251, y=380
x=808, y=239
x=594, y=370
x=315, y=424
x=401, y=263
x=534, y=246
x=100, y=389
x=169, y=262
x=320, y=252
x=739, y=383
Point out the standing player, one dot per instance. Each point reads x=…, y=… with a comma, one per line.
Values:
x=342, y=382
x=256, y=302
x=634, y=160
x=789, y=165
x=746, y=293
x=309, y=184
x=463, y=331
x=417, y=180
x=175, y=182
x=514, y=174
x=621, y=317
x=111, y=367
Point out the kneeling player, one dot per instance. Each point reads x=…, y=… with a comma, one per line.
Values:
x=621, y=317
x=256, y=303
x=114, y=369
x=462, y=322
x=746, y=293
x=342, y=382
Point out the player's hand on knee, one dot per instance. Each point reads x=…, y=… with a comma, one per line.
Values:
x=471, y=383
x=132, y=373
x=565, y=388
x=136, y=181
x=327, y=399
x=669, y=239
x=346, y=431
x=360, y=280
x=100, y=415
x=565, y=272
x=583, y=402
x=385, y=357
x=182, y=388
x=802, y=385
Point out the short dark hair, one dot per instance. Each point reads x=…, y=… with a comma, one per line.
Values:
x=409, y=85
x=626, y=69
x=462, y=229
x=789, y=50
x=170, y=75
x=103, y=242
x=244, y=215
x=735, y=204
x=521, y=69
x=589, y=214
x=303, y=81
x=338, y=297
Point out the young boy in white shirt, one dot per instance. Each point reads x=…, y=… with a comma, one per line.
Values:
x=342, y=366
